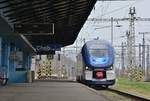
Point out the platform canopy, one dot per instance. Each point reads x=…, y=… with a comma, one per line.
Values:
x=68, y=17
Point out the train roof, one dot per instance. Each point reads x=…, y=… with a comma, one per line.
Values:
x=97, y=43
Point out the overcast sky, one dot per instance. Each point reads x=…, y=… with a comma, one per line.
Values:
x=116, y=9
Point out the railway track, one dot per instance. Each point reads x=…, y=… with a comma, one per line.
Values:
x=133, y=97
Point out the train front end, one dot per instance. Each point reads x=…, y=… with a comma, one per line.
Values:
x=98, y=58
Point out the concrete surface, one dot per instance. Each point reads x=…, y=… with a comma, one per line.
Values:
x=48, y=91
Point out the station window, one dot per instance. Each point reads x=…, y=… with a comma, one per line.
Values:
x=19, y=60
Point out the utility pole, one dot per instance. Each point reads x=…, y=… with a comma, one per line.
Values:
x=140, y=55
x=132, y=50
x=143, y=54
x=128, y=52
x=143, y=50
x=122, y=58
x=148, y=64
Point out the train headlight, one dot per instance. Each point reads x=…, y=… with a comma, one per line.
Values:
x=86, y=68
x=110, y=68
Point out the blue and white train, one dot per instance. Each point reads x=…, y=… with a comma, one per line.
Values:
x=95, y=64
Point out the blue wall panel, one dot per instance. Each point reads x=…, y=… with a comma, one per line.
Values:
x=17, y=77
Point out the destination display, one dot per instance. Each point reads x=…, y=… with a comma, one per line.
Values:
x=47, y=49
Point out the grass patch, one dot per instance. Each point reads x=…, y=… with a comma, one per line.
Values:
x=137, y=88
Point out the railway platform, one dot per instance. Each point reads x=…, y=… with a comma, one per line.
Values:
x=48, y=91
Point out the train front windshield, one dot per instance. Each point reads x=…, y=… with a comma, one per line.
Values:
x=98, y=52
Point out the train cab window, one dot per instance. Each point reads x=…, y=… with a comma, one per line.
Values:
x=98, y=52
